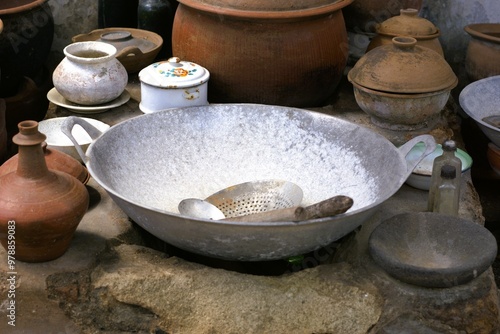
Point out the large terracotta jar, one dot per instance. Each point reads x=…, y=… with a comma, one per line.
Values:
x=362, y=16
x=281, y=52
x=483, y=52
x=25, y=42
x=40, y=209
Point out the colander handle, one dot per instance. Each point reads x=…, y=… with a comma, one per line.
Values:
x=327, y=208
x=412, y=162
x=68, y=125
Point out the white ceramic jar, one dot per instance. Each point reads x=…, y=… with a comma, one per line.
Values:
x=173, y=84
x=90, y=74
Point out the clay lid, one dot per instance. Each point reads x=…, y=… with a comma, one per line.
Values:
x=174, y=73
x=408, y=23
x=403, y=67
x=267, y=8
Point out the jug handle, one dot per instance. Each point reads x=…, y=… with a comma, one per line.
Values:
x=430, y=146
x=68, y=125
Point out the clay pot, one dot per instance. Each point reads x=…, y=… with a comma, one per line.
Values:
x=483, y=51
x=493, y=156
x=408, y=23
x=90, y=74
x=55, y=160
x=25, y=42
x=136, y=48
x=3, y=133
x=290, y=53
x=402, y=86
x=362, y=16
x=41, y=208
x=29, y=103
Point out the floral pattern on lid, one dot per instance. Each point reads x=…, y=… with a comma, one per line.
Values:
x=174, y=73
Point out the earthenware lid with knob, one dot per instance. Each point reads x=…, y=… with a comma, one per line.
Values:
x=408, y=23
x=403, y=67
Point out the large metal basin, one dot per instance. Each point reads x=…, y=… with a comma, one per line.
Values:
x=148, y=164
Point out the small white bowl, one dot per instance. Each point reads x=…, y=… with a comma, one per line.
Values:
x=57, y=140
x=420, y=178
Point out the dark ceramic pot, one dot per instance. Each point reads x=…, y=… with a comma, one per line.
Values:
x=25, y=42
x=286, y=52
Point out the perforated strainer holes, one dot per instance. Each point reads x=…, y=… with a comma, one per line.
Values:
x=255, y=203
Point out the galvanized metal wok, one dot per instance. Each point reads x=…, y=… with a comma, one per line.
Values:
x=148, y=164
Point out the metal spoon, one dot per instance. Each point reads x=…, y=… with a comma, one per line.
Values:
x=198, y=208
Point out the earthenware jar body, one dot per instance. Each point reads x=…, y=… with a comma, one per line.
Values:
x=483, y=51
x=362, y=16
x=25, y=42
x=408, y=23
x=90, y=74
x=41, y=208
x=402, y=86
x=263, y=52
x=3, y=133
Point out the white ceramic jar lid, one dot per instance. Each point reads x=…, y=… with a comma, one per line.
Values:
x=174, y=73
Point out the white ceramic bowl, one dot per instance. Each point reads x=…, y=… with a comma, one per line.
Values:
x=59, y=141
x=481, y=99
x=421, y=176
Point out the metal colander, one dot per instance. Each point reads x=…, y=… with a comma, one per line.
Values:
x=256, y=196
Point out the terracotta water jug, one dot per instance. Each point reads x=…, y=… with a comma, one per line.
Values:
x=40, y=209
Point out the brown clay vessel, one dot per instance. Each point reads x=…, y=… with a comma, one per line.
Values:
x=3, y=132
x=402, y=86
x=408, y=23
x=280, y=52
x=483, y=51
x=40, y=207
x=55, y=160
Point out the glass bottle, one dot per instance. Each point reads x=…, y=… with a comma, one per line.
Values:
x=448, y=193
x=117, y=13
x=158, y=16
x=447, y=158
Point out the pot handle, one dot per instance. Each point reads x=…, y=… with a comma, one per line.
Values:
x=430, y=146
x=68, y=125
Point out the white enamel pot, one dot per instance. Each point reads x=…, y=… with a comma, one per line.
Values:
x=173, y=84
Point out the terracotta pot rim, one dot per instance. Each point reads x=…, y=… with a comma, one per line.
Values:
x=269, y=14
x=478, y=30
x=402, y=95
x=22, y=8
